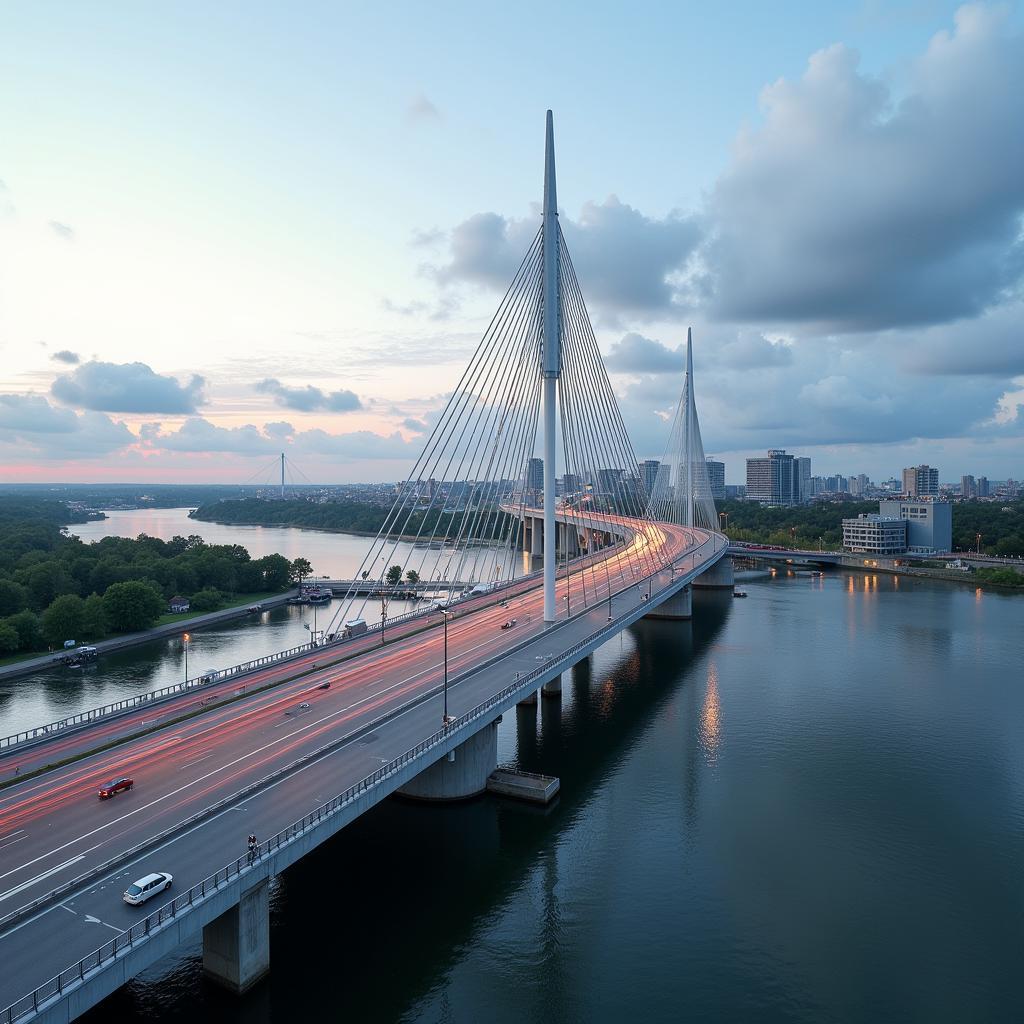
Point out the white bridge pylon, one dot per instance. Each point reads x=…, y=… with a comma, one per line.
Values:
x=682, y=488
x=460, y=514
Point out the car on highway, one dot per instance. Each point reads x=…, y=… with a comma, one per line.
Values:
x=324, y=686
x=147, y=886
x=509, y=624
x=118, y=785
x=303, y=706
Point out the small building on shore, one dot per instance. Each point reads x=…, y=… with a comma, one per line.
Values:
x=178, y=605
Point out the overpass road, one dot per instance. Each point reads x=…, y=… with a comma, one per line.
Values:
x=55, y=832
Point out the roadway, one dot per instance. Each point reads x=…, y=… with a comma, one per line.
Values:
x=54, y=830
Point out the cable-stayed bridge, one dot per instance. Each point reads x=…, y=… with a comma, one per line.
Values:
x=529, y=490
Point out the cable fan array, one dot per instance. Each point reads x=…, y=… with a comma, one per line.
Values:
x=458, y=518
x=682, y=489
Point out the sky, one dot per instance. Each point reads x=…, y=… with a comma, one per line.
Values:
x=233, y=229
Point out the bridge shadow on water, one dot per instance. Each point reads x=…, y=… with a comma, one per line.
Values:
x=372, y=923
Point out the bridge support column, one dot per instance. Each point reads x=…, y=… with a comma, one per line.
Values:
x=236, y=946
x=537, y=538
x=679, y=606
x=552, y=688
x=461, y=773
x=718, y=577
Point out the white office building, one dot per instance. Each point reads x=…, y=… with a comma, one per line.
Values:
x=871, y=534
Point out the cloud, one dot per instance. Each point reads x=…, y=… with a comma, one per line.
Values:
x=201, y=436
x=414, y=425
x=627, y=263
x=854, y=210
x=634, y=353
x=66, y=356
x=421, y=109
x=62, y=231
x=750, y=350
x=309, y=398
x=990, y=344
x=31, y=426
x=127, y=388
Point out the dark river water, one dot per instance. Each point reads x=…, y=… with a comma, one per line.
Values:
x=804, y=806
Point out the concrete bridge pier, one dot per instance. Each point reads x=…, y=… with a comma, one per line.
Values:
x=678, y=606
x=236, y=946
x=552, y=688
x=462, y=772
x=717, y=577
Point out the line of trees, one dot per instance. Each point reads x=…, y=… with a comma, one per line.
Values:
x=54, y=587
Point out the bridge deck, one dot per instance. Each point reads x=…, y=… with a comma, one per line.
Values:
x=53, y=829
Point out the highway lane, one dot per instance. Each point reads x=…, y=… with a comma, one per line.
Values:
x=186, y=767
x=45, y=942
x=23, y=759
x=53, y=828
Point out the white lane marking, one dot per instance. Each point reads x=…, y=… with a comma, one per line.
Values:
x=9, y=834
x=230, y=764
x=188, y=764
x=124, y=869
x=5, y=845
x=64, y=906
x=39, y=878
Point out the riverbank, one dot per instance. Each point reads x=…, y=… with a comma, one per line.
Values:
x=181, y=624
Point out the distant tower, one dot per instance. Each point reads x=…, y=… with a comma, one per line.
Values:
x=282, y=476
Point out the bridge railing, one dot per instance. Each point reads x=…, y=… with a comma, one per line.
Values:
x=139, y=700
x=160, y=918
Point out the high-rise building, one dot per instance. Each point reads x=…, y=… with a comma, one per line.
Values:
x=571, y=484
x=802, y=481
x=920, y=481
x=649, y=474
x=716, y=477
x=609, y=481
x=859, y=484
x=983, y=488
x=968, y=486
x=770, y=481
x=535, y=475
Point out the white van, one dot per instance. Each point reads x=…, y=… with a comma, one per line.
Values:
x=140, y=891
x=354, y=627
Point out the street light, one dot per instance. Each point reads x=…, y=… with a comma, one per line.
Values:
x=185, y=638
x=977, y=537
x=445, y=721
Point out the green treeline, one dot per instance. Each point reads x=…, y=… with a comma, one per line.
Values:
x=1002, y=532
x=54, y=587
x=343, y=516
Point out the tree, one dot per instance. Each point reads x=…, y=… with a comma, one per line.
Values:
x=132, y=606
x=276, y=571
x=13, y=597
x=208, y=600
x=9, y=642
x=63, y=619
x=301, y=569
x=394, y=575
x=29, y=629
x=45, y=582
x=94, y=618
x=412, y=576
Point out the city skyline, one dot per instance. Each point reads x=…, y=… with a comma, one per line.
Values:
x=189, y=288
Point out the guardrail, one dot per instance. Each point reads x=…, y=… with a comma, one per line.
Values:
x=154, y=922
x=128, y=703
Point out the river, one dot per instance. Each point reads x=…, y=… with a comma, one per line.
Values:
x=803, y=806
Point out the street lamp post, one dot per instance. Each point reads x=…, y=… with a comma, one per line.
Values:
x=185, y=639
x=444, y=720
x=977, y=537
